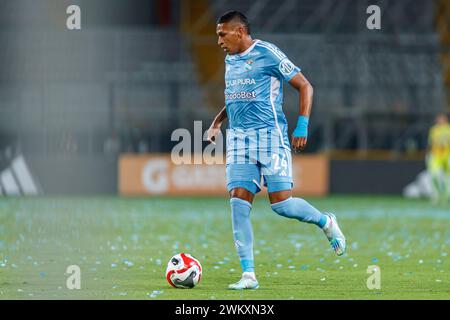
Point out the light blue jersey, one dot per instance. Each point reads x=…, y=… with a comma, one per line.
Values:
x=254, y=89
x=257, y=138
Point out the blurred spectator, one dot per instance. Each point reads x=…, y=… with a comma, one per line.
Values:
x=112, y=144
x=143, y=146
x=69, y=143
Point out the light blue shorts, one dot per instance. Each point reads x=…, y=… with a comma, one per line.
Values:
x=276, y=171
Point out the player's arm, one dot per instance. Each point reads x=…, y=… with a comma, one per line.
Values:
x=306, y=91
x=214, y=129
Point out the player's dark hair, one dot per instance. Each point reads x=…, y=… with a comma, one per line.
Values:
x=235, y=16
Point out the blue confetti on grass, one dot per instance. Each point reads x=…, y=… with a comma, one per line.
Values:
x=304, y=267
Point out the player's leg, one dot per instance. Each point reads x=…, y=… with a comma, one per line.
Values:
x=241, y=204
x=279, y=183
x=434, y=170
x=446, y=179
x=441, y=177
x=445, y=187
x=243, y=184
x=287, y=206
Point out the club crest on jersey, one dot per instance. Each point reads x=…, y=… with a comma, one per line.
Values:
x=248, y=65
x=286, y=66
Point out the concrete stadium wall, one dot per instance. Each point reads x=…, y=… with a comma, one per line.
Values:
x=373, y=176
x=87, y=175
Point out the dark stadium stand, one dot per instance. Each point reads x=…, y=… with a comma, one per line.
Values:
x=373, y=90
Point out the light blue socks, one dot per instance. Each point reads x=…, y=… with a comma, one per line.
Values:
x=296, y=208
x=242, y=232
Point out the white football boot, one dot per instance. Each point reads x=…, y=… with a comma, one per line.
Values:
x=334, y=234
x=248, y=281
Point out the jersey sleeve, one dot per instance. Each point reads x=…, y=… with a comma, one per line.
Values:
x=279, y=64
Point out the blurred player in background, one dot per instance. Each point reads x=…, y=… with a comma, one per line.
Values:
x=438, y=158
x=254, y=75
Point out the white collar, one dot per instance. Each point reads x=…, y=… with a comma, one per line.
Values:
x=247, y=51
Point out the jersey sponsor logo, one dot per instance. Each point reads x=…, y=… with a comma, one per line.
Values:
x=286, y=66
x=240, y=95
x=240, y=82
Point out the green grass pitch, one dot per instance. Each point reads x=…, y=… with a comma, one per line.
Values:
x=122, y=246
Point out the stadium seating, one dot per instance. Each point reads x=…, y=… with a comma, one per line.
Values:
x=143, y=83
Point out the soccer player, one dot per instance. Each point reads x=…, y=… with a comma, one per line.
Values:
x=257, y=138
x=438, y=158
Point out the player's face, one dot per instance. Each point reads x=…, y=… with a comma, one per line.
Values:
x=230, y=37
x=441, y=119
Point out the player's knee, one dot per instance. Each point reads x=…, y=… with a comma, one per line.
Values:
x=281, y=194
x=243, y=194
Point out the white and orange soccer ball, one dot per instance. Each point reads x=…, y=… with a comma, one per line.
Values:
x=183, y=271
